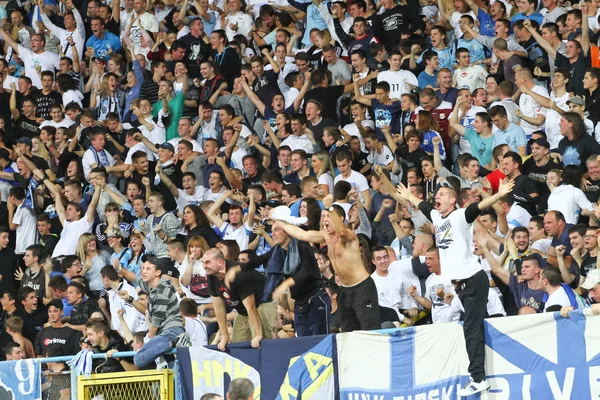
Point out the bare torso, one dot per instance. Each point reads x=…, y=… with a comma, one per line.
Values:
x=346, y=259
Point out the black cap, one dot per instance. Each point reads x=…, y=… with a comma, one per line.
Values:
x=56, y=303
x=540, y=142
x=25, y=140
x=167, y=146
x=159, y=263
x=273, y=203
x=4, y=154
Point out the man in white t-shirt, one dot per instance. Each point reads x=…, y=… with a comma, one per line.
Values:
x=436, y=286
x=75, y=223
x=114, y=285
x=147, y=21
x=359, y=116
x=379, y=153
x=400, y=81
x=35, y=58
x=235, y=228
x=468, y=76
x=191, y=192
x=343, y=161
x=532, y=114
x=556, y=296
x=22, y=219
x=192, y=324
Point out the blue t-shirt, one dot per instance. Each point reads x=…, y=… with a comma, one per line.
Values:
x=514, y=136
x=427, y=145
x=524, y=296
x=481, y=148
x=425, y=80
x=386, y=115
x=486, y=24
x=534, y=17
x=476, y=49
x=101, y=46
x=446, y=56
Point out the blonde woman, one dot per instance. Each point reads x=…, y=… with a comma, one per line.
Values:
x=194, y=280
x=93, y=261
x=107, y=97
x=321, y=164
x=39, y=149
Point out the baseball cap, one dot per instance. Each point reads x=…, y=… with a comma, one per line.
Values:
x=576, y=100
x=591, y=280
x=540, y=142
x=271, y=203
x=167, y=146
x=56, y=303
x=25, y=140
x=159, y=263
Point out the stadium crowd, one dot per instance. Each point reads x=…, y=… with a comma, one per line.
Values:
x=179, y=173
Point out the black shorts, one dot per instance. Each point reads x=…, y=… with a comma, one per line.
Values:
x=358, y=307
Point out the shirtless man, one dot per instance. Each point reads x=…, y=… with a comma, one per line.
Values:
x=459, y=264
x=358, y=303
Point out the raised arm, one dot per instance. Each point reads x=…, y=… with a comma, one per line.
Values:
x=541, y=41
x=273, y=63
x=216, y=208
x=260, y=106
x=497, y=269
x=585, y=28
x=13, y=102
x=91, y=211
x=9, y=40
x=454, y=120
x=167, y=181
x=506, y=186
x=316, y=237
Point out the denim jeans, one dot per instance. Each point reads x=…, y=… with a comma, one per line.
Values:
x=157, y=346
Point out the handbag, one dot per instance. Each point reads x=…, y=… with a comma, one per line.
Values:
x=199, y=285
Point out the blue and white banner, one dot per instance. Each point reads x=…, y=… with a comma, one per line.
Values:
x=541, y=356
x=203, y=371
x=21, y=380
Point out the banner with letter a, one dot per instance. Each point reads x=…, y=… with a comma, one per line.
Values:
x=21, y=380
x=543, y=356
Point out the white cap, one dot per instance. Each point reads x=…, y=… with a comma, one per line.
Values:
x=591, y=280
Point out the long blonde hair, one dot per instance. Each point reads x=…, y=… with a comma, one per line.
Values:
x=326, y=165
x=82, y=244
x=42, y=151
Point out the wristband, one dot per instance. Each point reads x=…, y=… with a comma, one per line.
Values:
x=130, y=300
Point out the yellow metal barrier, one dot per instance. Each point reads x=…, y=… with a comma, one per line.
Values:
x=142, y=385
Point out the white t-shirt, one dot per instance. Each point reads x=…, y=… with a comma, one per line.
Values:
x=356, y=180
x=353, y=131
x=139, y=146
x=440, y=311
x=559, y=297
x=472, y=77
x=553, y=119
x=517, y=216
x=133, y=318
x=69, y=236
x=184, y=198
x=197, y=331
x=27, y=230
x=454, y=240
x=47, y=60
x=198, y=270
x=383, y=158
x=195, y=145
x=149, y=22
x=398, y=81
x=298, y=143
x=494, y=305
x=326, y=179
x=241, y=235
x=531, y=108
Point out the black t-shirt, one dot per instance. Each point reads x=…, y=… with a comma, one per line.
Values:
x=246, y=283
x=522, y=191
x=577, y=151
x=8, y=266
x=538, y=173
x=266, y=86
x=588, y=263
x=592, y=105
x=44, y=101
x=318, y=129
x=410, y=160
x=81, y=312
x=196, y=51
x=33, y=323
x=26, y=127
x=576, y=69
x=64, y=338
x=328, y=98
x=593, y=191
x=113, y=27
x=359, y=161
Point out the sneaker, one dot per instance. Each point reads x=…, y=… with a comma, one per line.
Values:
x=472, y=387
x=183, y=340
x=161, y=363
